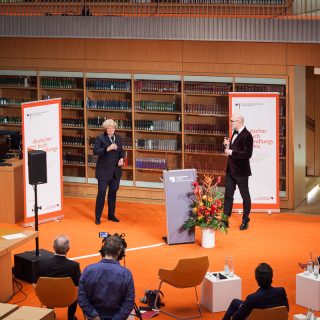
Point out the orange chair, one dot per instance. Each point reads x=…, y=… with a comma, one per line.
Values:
x=56, y=292
x=187, y=273
x=276, y=313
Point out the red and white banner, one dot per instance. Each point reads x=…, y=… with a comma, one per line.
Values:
x=41, y=127
x=261, y=118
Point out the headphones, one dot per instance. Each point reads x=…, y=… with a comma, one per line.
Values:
x=108, y=246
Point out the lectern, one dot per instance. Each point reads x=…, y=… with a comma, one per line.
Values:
x=178, y=184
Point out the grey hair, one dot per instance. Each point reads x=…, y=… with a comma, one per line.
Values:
x=109, y=122
x=61, y=244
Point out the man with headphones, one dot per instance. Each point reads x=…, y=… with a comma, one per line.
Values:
x=106, y=289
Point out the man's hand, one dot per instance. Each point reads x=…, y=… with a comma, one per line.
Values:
x=120, y=162
x=226, y=143
x=112, y=146
x=228, y=152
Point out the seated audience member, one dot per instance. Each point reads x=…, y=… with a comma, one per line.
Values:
x=106, y=289
x=59, y=266
x=265, y=297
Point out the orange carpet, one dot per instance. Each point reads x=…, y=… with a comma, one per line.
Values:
x=278, y=239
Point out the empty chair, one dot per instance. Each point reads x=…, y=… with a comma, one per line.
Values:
x=187, y=273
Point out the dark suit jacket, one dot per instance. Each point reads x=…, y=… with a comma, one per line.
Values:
x=262, y=299
x=60, y=267
x=238, y=162
x=107, y=164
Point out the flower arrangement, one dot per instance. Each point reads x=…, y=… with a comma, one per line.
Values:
x=206, y=208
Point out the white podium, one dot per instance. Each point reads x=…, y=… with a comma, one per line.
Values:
x=216, y=295
x=308, y=291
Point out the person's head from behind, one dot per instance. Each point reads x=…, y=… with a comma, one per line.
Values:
x=264, y=274
x=112, y=247
x=61, y=244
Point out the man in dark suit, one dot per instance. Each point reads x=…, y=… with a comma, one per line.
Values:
x=238, y=151
x=265, y=297
x=108, y=148
x=59, y=266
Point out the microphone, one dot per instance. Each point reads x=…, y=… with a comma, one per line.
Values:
x=113, y=139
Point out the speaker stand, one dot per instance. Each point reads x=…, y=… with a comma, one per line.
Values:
x=36, y=216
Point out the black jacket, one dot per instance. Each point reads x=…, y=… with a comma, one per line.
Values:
x=238, y=162
x=107, y=164
x=262, y=299
x=60, y=267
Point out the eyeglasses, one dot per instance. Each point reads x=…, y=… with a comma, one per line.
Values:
x=233, y=121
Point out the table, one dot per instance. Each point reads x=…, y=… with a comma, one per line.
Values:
x=216, y=295
x=6, y=246
x=11, y=192
x=308, y=291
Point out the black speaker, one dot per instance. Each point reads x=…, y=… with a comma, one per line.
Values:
x=26, y=264
x=37, y=165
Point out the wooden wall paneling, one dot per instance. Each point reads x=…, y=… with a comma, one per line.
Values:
x=317, y=126
x=303, y=54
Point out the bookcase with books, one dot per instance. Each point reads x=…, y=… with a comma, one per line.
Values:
x=273, y=85
x=158, y=124
x=206, y=112
x=69, y=87
x=109, y=96
x=16, y=87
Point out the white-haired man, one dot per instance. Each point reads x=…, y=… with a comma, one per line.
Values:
x=108, y=148
x=238, y=151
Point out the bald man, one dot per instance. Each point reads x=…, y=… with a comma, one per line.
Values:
x=238, y=151
x=59, y=266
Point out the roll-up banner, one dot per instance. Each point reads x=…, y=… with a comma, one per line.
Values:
x=41, y=130
x=261, y=118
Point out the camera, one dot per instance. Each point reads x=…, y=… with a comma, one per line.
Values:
x=103, y=234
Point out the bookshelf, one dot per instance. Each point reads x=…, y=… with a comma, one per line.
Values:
x=273, y=85
x=69, y=87
x=206, y=112
x=109, y=95
x=165, y=121
x=16, y=87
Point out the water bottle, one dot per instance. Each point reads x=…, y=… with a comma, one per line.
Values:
x=231, y=267
x=226, y=266
x=316, y=268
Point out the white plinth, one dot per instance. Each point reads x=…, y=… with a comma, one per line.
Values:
x=216, y=295
x=308, y=291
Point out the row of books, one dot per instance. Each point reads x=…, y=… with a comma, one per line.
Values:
x=10, y=101
x=206, y=128
x=14, y=81
x=109, y=84
x=282, y=151
x=282, y=112
x=73, y=140
x=73, y=122
x=262, y=88
x=151, y=163
x=109, y=104
x=207, y=88
x=60, y=83
x=67, y=102
x=158, y=125
x=73, y=158
x=157, y=144
x=10, y=120
x=282, y=129
x=160, y=106
x=209, y=167
x=214, y=108
x=157, y=86
x=204, y=147
x=92, y=160
x=96, y=122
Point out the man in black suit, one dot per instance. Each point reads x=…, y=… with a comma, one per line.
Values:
x=59, y=266
x=108, y=148
x=238, y=151
x=265, y=297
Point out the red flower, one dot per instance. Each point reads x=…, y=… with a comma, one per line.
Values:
x=218, y=202
x=195, y=184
